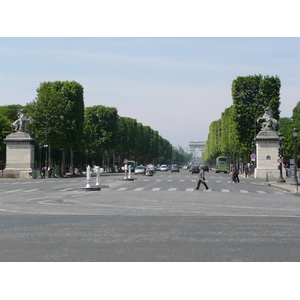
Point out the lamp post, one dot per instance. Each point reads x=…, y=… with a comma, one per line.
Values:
x=295, y=135
x=40, y=148
x=280, y=138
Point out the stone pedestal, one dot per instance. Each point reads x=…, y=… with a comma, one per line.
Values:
x=19, y=156
x=267, y=144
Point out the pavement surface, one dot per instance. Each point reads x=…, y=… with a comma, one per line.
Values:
x=286, y=186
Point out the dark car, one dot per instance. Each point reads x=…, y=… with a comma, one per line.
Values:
x=195, y=169
x=205, y=168
x=175, y=168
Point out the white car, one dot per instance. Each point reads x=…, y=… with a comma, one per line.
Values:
x=163, y=168
x=139, y=170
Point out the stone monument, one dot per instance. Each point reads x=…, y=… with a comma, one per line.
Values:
x=20, y=150
x=267, y=144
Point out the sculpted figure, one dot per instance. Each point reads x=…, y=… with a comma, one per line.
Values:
x=270, y=123
x=20, y=124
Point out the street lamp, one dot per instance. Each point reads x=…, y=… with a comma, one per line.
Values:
x=40, y=147
x=280, y=138
x=295, y=135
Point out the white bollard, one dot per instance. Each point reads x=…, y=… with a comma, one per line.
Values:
x=129, y=172
x=88, y=177
x=97, y=175
x=125, y=170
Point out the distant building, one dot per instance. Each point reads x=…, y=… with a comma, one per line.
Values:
x=178, y=148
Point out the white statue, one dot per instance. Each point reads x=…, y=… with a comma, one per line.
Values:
x=270, y=123
x=20, y=124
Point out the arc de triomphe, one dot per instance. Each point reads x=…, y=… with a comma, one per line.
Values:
x=196, y=145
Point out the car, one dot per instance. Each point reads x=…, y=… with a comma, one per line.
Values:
x=169, y=167
x=195, y=169
x=205, y=168
x=175, y=168
x=139, y=170
x=157, y=168
x=163, y=168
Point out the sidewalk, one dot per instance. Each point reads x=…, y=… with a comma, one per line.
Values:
x=286, y=186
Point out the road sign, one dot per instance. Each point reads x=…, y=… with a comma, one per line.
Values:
x=253, y=156
x=125, y=161
x=280, y=160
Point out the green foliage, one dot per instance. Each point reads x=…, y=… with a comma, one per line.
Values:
x=100, y=128
x=10, y=111
x=58, y=112
x=235, y=131
x=5, y=128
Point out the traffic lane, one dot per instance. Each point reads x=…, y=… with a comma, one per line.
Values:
x=117, y=202
x=149, y=238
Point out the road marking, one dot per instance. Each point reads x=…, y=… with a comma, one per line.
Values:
x=155, y=189
x=146, y=180
x=183, y=180
x=225, y=190
x=193, y=180
x=172, y=189
x=261, y=192
x=218, y=181
x=158, y=180
x=138, y=189
x=13, y=191
x=189, y=190
x=33, y=190
x=244, y=191
x=122, y=189
x=170, y=180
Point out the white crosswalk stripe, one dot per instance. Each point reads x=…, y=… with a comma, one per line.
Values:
x=225, y=191
x=189, y=190
x=156, y=189
x=172, y=189
x=138, y=189
x=28, y=191
x=122, y=189
x=261, y=192
x=244, y=191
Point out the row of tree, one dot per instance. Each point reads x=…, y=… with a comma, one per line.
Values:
x=68, y=134
x=233, y=134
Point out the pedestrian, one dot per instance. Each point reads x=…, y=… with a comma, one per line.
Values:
x=49, y=172
x=43, y=172
x=246, y=170
x=235, y=176
x=201, y=179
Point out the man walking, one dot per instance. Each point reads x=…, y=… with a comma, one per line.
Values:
x=201, y=179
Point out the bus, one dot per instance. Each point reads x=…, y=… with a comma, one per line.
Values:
x=222, y=164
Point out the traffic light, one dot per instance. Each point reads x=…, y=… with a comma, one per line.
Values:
x=279, y=153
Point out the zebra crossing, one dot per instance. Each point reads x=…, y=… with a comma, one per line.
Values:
x=215, y=185
x=140, y=189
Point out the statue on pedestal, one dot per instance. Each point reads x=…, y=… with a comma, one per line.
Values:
x=270, y=123
x=20, y=123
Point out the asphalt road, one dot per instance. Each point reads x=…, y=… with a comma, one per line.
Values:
x=151, y=219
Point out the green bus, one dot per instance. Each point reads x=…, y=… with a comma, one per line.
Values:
x=221, y=164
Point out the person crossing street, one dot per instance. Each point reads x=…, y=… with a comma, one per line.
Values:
x=201, y=179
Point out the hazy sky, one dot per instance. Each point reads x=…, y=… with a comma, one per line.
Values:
x=177, y=86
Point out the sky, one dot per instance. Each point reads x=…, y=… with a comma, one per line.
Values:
x=174, y=76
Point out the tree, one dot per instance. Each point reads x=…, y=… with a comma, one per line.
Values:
x=100, y=129
x=58, y=115
x=251, y=95
x=5, y=128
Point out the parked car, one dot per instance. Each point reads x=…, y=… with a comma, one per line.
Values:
x=163, y=168
x=175, y=168
x=139, y=170
x=195, y=169
x=157, y=168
